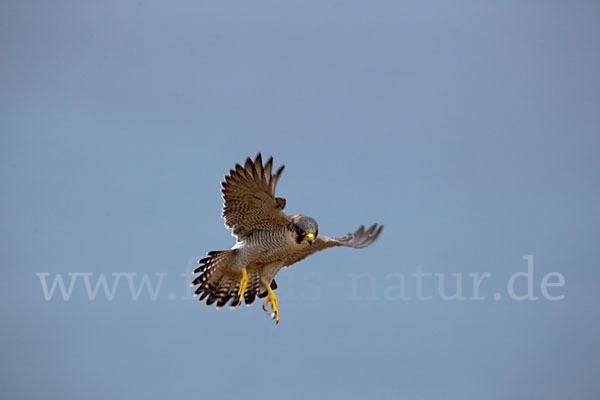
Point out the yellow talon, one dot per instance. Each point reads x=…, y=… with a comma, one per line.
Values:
x=243, y=285
x=273, y=300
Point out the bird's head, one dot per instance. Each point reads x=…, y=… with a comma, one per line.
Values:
x=306, y=229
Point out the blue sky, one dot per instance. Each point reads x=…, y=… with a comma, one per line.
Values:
x=470, y=129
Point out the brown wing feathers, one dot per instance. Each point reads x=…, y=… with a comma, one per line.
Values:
x=249, y=197
x=361, y=238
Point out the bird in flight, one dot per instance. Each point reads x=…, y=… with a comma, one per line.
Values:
x=267, y=240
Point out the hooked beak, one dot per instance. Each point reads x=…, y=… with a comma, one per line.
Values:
x=310, y=237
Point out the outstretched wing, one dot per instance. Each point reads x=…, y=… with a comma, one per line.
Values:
x=249, y=197
x=359, y=239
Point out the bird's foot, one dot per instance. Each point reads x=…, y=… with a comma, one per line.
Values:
x=243, y=285
x=273, y=313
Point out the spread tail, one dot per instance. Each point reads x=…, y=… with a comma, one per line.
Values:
x=219, y=283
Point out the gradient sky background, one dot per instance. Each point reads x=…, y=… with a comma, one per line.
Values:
x=469, y=128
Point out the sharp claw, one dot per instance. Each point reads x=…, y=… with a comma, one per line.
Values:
x=266, y=310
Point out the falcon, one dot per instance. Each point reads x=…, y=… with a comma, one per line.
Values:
x=267, y=240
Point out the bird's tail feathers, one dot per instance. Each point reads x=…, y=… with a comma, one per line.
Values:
x=215, y=281
x=219, y=283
